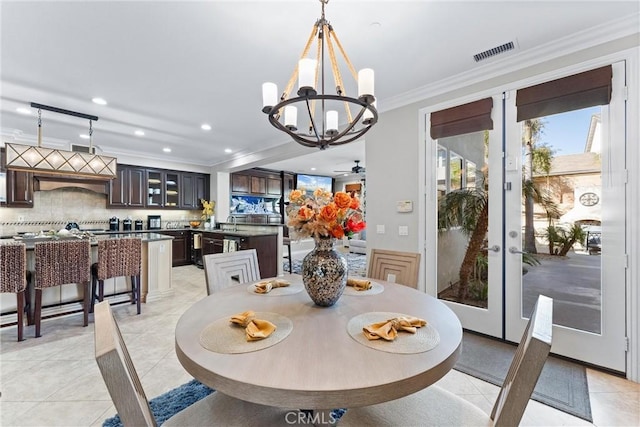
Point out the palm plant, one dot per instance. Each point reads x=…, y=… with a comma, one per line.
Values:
x=467, y=208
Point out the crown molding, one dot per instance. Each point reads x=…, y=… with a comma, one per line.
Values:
x=516, y=61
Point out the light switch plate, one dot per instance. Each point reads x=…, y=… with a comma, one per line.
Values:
x=403, y=230
x=380, y=229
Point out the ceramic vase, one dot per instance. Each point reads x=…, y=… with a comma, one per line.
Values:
x=324, y=272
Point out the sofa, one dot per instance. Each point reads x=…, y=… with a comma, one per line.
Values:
x=358, y=243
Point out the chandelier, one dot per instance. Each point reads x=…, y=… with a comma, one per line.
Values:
x=60, y=162
x=322, y=109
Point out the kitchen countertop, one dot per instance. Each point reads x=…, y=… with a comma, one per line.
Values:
x=146, y=238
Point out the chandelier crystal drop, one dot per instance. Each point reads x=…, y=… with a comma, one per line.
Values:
x=326, y=118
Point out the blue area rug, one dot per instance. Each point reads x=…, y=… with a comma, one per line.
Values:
x=170, y=403
x=357, y=265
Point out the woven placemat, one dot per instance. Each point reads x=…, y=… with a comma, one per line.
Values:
x=222, y=336
x=276, y=292
x=425, y=338
x=376, y=288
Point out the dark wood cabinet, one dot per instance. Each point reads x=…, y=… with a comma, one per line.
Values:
x=181, y=246
x=274, y=186
x=19, y=186
x=258, y=185
x=212, y=243
x=240, y=183
x=19, y=189
x=195, y=187
x=127, y=190
x=266, y=248
x=139, y=187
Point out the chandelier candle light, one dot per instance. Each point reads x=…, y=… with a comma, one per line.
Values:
x=324, y=122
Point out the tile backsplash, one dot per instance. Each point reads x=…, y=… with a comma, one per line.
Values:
x=54, y=209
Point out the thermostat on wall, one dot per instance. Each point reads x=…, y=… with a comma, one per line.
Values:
x=405, y=206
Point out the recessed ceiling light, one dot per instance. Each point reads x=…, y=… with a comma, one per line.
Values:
x=23, y=110
x=345, y=174
x=84, y=136
x=99, y=101
x=205, y=126
x=166, y=149
x=139, y=132
x=228, y=150
x=313, y=169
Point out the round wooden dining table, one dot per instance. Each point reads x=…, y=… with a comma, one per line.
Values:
x=319, y=364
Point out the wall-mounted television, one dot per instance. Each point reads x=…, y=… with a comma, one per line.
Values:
x=311, y=182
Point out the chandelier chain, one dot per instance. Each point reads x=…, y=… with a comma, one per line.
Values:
x=39, y=127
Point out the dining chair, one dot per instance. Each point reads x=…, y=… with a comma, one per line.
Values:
x=228, y=268
x=15, y=278
x=393, y=266
x=436, y=406
x=59, y=263
x=129, y=398
x=117, y=258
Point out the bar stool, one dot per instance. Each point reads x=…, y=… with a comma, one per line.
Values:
x=286, y=241
x=15, y=278
x=58, y=263
x=117, y=258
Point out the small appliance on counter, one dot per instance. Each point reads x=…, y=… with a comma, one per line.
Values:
x=154, y=222
x=138, y=224
x=114, y=224
x=126, y=224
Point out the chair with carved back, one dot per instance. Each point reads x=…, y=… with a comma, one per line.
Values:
x=394, y=266
x=15, y=278
x=436, y=406
x=59, y=263
x=230, y=268
x=120, y=257
x=129, y=398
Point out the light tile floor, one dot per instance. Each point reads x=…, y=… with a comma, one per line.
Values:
x=54, y=380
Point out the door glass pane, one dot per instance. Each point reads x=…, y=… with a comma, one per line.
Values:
x=462, y=267
x=561, y=216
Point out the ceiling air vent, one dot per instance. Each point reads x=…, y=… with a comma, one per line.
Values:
x=494, y=51
x=83, y=149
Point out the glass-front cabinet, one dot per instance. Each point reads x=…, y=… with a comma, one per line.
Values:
x=163, y=189
x=172, y=190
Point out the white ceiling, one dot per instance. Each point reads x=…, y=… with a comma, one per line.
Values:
x=167, y=67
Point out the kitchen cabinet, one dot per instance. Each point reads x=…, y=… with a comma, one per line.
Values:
x=274, y=186
x=258, y=185
x=163, y=189
x=127, y=190
x=212, y=243
x=19, y=186
x=240, y=183
x=266, y=247
x=19, y=189
x=181, y=246
x=194, y=188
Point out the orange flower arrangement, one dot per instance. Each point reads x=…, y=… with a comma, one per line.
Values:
x=324, y=214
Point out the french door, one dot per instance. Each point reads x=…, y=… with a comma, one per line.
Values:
x=578, y=209
x=587, y=188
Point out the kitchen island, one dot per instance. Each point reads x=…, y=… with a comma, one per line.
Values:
x=155, y=277
x=266, y=239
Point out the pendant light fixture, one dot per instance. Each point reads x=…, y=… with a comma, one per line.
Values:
x=60, y=162
x=327, y=118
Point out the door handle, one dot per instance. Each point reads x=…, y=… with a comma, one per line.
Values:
x=515, y=250
x=494, y=248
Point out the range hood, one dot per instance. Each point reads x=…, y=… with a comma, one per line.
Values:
x=43, y=181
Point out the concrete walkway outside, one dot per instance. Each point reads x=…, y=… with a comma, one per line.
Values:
x=574, y=283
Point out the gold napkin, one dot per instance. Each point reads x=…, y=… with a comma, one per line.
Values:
x=266, y=286
x=255, y=329
x=388, y=330
x=359, y=284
